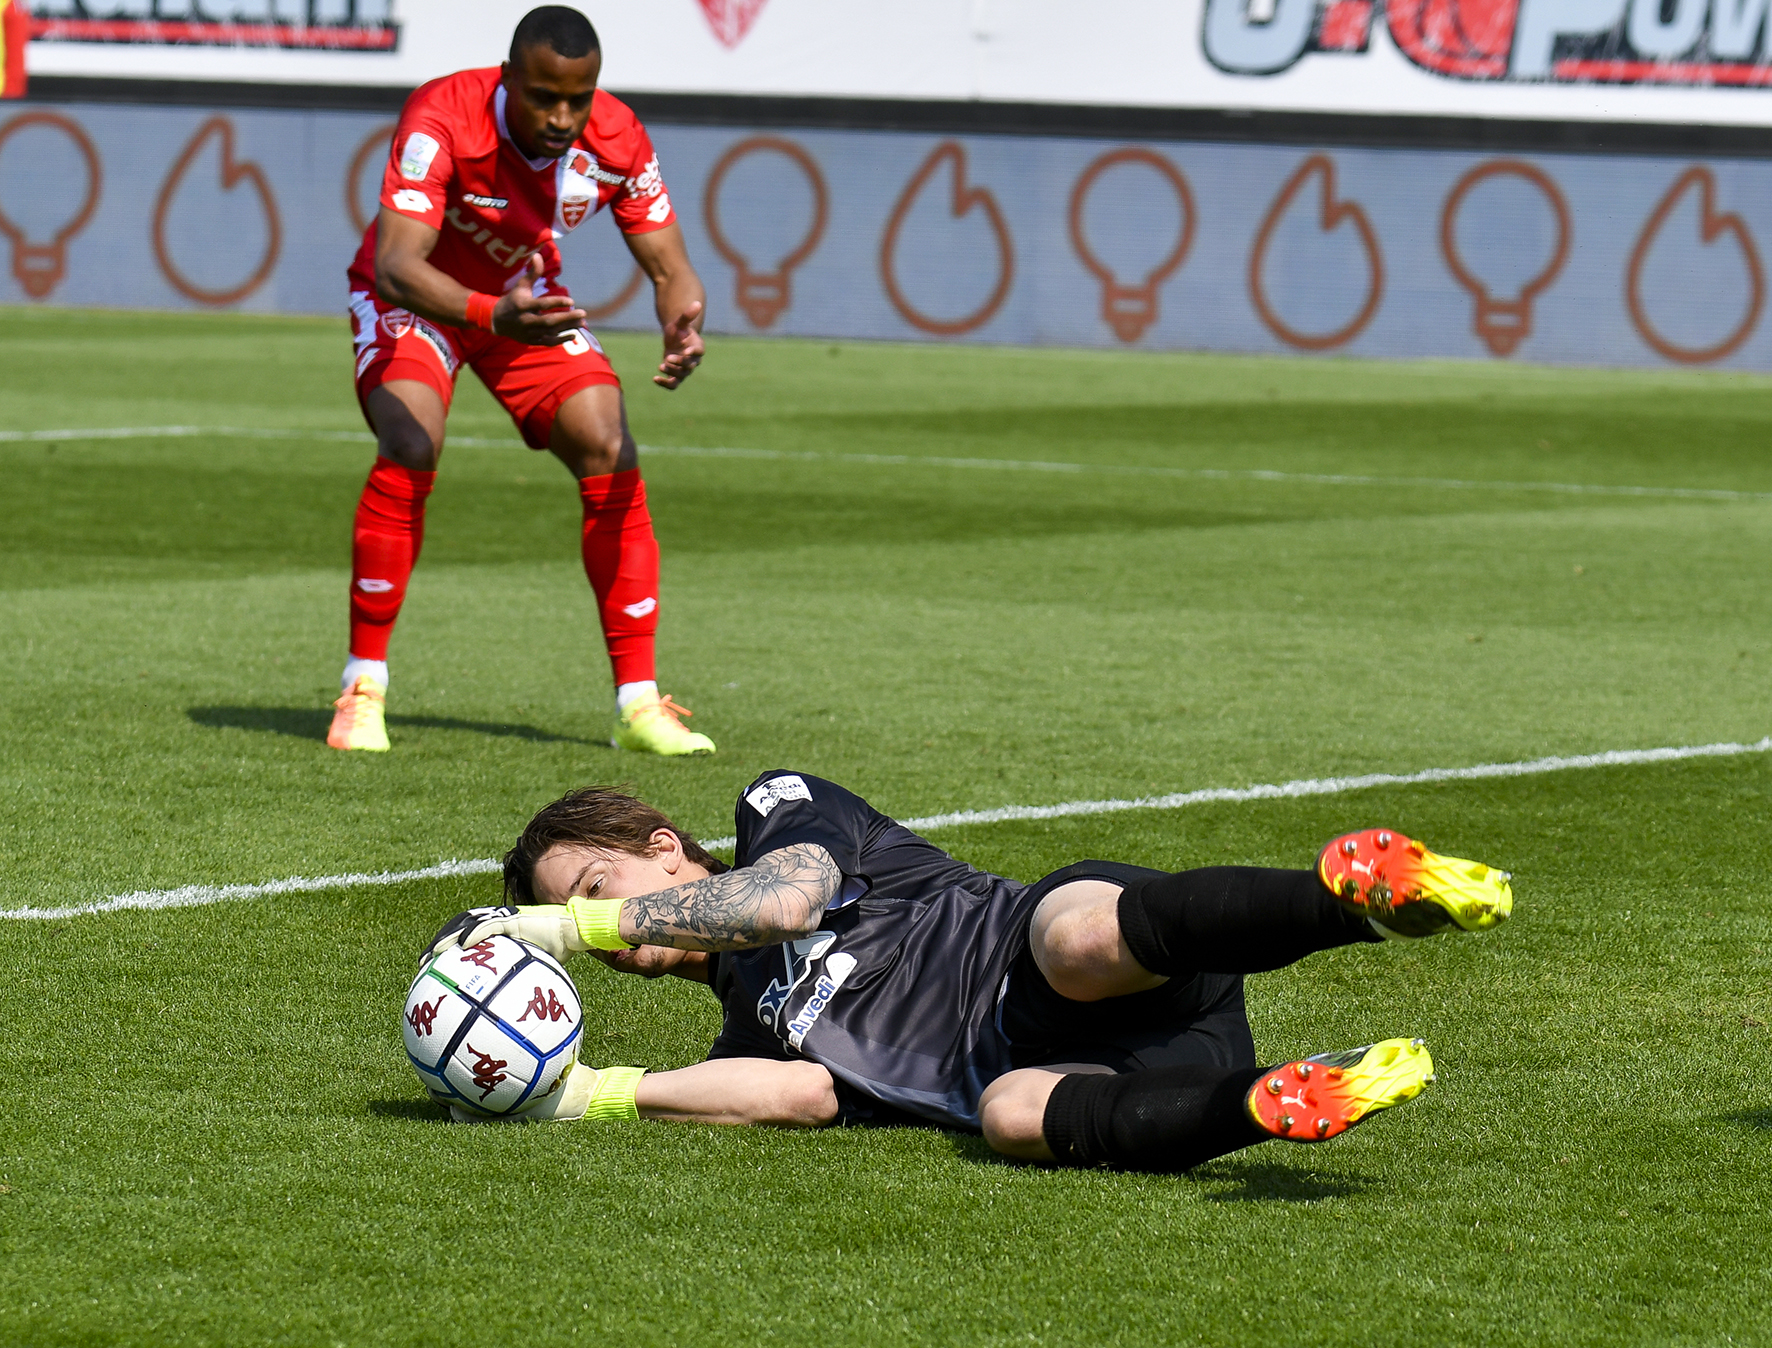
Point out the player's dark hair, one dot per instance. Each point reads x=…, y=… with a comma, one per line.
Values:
x=594, y=816
x=565, y=30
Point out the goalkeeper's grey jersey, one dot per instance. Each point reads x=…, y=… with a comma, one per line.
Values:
x=897, y=992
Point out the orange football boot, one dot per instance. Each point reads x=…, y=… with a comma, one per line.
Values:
x=1406, y=891
x=1318, y=1098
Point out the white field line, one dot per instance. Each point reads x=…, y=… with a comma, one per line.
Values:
x=934, y=461
x=190, y=896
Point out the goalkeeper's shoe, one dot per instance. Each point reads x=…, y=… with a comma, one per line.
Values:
x=1406, y=891
x=1317, y=1098
x=653, y=725
x=360, y=718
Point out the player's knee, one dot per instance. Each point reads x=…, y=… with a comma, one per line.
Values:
x=808, y=1097
x=1012, y=1115
x=410, y=446
x=590, y=447
x=1072, y=948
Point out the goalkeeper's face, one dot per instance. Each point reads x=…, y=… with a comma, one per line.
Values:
x=568, y=869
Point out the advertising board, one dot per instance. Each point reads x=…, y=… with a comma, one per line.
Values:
x=1678, y=61
x=1587, y=259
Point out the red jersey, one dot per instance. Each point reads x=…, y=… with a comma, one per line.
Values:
x=453, y=165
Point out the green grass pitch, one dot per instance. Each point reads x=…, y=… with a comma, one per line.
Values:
x=209, y=1133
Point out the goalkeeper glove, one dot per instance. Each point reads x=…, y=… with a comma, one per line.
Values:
x=580, y=1093
x=558, y=928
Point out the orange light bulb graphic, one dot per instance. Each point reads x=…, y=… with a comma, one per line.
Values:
x=765, y=295
x=1130, y=309
x=40, y=266
x=1502, y=322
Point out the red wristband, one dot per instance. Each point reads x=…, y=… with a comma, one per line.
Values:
x=480, y=307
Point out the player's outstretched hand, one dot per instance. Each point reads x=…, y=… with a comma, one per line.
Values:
x=581, y=1091
x=683, y=348
x=540, y=320
x=548, y=925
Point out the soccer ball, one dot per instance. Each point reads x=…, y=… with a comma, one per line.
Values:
x=492, y=1027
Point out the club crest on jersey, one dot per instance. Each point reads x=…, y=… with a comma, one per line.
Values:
x=771, y=793
x=396, y=323
x=578, y=187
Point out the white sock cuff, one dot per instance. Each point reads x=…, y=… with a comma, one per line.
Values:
x=627, y=692
x=355, y=668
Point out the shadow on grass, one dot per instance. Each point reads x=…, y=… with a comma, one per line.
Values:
x=1226, y=1180
x=413, y=1111
x=311, y=723
x=1232, y=1180
x=1759, y=1119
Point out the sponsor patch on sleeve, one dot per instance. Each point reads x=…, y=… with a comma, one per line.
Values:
x=415, y=159
x=411, y=199
x=777, y=789
x=660, y=209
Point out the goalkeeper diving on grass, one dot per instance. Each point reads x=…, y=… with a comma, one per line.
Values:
x=1093, y=1018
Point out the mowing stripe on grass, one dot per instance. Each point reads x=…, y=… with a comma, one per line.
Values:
x=190, y=896
x=936, y=461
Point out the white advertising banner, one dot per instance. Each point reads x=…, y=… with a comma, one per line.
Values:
x=1263, y=248
x=1678, y=61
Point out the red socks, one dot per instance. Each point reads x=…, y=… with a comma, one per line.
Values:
x=389, y=531
x=621, y=561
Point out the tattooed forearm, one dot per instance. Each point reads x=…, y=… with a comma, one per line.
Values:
x=779, y=897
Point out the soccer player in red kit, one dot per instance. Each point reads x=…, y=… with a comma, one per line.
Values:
x=488, y=169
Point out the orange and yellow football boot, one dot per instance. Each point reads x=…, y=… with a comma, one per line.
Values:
x=1406, y=891
x=1317, y=1098
x=360, y=720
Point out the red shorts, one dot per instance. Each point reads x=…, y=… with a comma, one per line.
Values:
x=530, y=382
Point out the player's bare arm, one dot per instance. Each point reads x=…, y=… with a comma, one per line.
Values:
x=405, y=277
x=779, y=897
x=758, y=1091
x=614, y=902
x=678, y=296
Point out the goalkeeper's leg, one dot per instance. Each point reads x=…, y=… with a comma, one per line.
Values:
x=1174, y=1118
x=1093, y=939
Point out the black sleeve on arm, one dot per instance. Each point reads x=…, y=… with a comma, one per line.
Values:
x=782, y=808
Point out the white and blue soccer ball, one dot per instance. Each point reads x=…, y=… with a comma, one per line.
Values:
x=492, y=1027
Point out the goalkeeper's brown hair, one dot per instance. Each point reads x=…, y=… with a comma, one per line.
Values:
x=593, y=816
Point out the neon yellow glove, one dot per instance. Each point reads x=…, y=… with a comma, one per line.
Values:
x=558, y=928
x=580, y=1093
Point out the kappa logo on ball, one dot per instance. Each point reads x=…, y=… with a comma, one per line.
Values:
x=423, y=1017
x=481, y=955
x=488, y=1071
x=771, y=793
x=545, y=1008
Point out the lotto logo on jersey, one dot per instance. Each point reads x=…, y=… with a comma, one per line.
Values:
x=412, y=200
x=771, y=793
x=415, y=159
